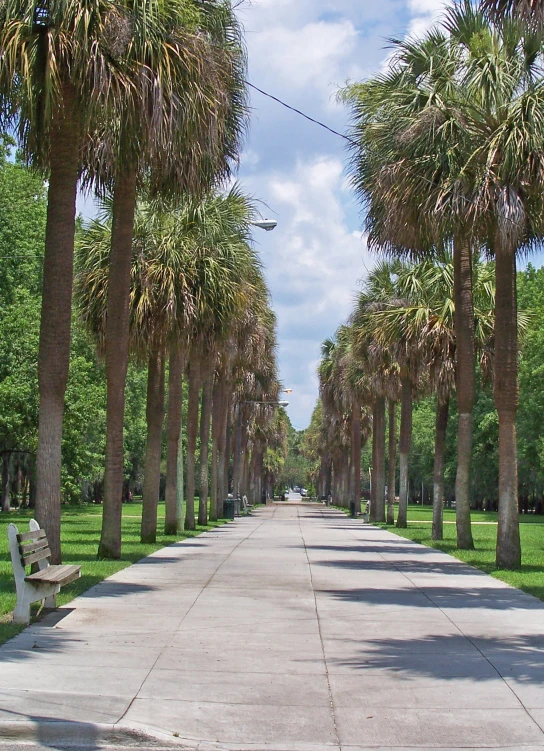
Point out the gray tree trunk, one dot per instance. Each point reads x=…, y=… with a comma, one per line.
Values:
x=117, y=345
x=506, y=393
x=465, y=386
x=404, y=450
x=192, y=433
x=442, y=411
x=377, y=506
x=173, y=522
x=356, y=455
x=155, y=420
x=205, y=417
x=5, y=506
x=392, y=462
x=56, y=315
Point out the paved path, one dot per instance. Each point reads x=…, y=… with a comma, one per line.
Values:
x=296, y=629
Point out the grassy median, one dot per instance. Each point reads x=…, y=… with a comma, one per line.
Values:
x=80, y=535
x=530, y=578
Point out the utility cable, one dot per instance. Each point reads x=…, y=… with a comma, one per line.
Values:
x=303, y=114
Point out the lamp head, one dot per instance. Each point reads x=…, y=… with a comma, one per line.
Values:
x=266, y=224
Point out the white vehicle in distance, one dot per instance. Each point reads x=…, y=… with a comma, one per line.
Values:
x=303, y=492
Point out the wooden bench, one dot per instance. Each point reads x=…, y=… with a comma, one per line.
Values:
x=32, y=547
x=246, y=506
x=242, y=507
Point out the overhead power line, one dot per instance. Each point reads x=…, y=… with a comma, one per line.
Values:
x=302, y=114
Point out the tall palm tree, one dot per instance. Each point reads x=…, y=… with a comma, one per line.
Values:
x=181, y=129
x=161, y=307
x=392, y=370
x=61, y=69
x=406, y=172
x=502, y=108
x=528, y=10
x=226, y=270
x=427, y=320
x=482, y=144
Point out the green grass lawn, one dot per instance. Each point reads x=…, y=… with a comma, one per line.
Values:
x=80, y=535
x=530, y=578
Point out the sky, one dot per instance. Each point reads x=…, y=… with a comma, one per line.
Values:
x=303, y=51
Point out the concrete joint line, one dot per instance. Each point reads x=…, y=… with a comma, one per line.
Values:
x=329, y=688
x=169, y=645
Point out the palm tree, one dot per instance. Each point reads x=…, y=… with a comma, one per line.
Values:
x=408, y=172
x=427, y=320
x=499, y=105
x=479, y=144
x=161, y=307
x=226, y=270
x=527, y=10
x=180, y=128
x=392, y=370
x=252, y=376
x=61, y=68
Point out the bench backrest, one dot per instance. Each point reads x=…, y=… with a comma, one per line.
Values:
x=29, y=547
x=33, y=547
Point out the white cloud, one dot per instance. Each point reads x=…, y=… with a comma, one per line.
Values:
x=425, y=15
x=314, y=55
x=313, y=261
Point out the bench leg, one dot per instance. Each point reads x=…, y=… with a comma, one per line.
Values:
x=21, y=614
x=51, y=601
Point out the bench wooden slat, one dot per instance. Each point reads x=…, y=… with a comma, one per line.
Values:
x=35, y=557
x=34, y=546
x=37, y=535
x=62, y=574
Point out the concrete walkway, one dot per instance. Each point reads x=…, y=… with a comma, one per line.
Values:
x=295, y=629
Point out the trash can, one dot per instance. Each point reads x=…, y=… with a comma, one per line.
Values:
x=228, y=508
x=352, y=509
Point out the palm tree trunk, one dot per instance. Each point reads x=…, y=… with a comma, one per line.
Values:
x=155, y=419
x=404, y=449
x=356, y=455
x=246, y=456
x=465, y=386
x=173, y=523
x=54, y=347
x=217, y=407
x=237, y=455
x=392, y=462
x=192, y=433
x=506, y=401
x=328, y=477
x=205, y=416
x=258, y=472
x=223, y=454
x=117, y=342
x=377, y=507
x=442, y=411
x=228, y=448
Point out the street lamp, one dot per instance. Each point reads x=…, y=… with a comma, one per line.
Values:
x=267, y=224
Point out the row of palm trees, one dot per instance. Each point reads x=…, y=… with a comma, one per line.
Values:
x=115, y=98
x=398, y=345
x=448, y=152
x=199, y=303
